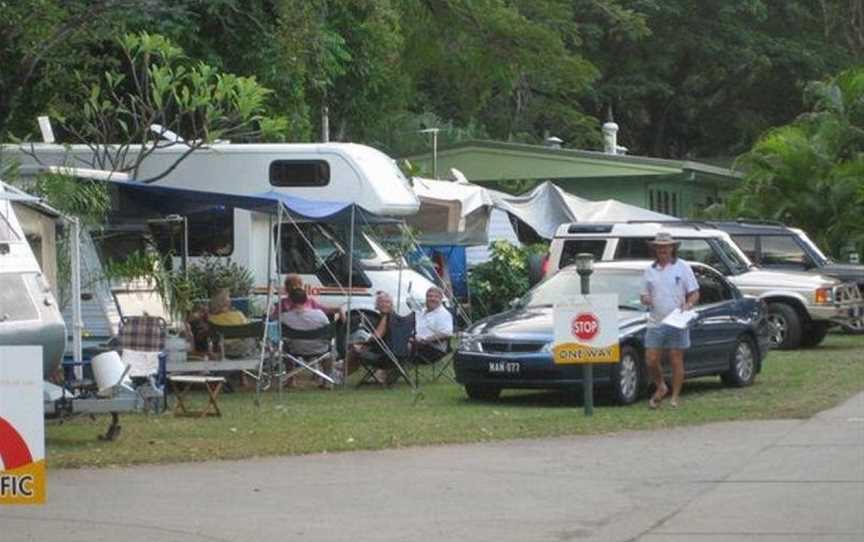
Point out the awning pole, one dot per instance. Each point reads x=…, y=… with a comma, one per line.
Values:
x=77, y=323
x=350, y=289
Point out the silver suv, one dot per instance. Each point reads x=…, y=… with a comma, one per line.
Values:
x=802, y=306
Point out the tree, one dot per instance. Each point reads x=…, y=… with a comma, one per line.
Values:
x=710, y=77
x=128, y=114
x=810, y=173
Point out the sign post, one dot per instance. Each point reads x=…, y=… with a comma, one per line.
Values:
x=586, y=332
x=22, y=426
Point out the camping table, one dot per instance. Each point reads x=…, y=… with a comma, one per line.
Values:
x=181, y=386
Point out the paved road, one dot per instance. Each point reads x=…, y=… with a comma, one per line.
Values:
x=774, y=480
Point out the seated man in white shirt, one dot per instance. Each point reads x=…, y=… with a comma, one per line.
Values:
x=434, y=327
x=304, y=317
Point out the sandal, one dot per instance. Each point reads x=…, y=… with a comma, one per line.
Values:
x=658, y=396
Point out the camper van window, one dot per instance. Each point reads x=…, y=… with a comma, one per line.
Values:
x=299, y=173
x=297, y=256
x=6, y=231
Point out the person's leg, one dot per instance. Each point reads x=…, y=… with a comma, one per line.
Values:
x=653, y=358
x=676, y=359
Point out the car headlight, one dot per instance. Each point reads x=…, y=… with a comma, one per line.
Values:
x=547, y=348
x=471, y=343
x=824, y=296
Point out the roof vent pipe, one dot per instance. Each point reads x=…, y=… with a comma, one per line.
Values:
x=553, y=142
x=610, y=134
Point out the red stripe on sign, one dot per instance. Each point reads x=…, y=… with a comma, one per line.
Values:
x=13, y=450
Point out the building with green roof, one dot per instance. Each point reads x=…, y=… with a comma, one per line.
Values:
x=668, y=186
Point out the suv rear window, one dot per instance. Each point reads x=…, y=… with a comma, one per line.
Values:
x=574, y=247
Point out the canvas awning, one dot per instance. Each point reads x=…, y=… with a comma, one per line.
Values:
x=171, y=200
x=451, y=213
x=548, y=206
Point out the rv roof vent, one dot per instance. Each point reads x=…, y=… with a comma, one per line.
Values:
x=590, y=228
x=553, y=142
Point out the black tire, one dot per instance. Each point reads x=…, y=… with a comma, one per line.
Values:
x=626, y=377
x=787, y=323
x=482, y=392
x=742, y=364
x=814, y=334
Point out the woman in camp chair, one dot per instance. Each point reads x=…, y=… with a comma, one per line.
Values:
x=370, y=352
x=222, y=314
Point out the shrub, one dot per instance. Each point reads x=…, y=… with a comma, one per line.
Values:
x=504, y=277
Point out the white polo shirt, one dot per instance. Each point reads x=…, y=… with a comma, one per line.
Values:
x=429, y=323
x=668, y=287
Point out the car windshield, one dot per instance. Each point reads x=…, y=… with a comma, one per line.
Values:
x=627, y=283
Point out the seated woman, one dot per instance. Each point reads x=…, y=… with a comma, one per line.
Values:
x=371, y=351
x=295, y=282
x=223, y=314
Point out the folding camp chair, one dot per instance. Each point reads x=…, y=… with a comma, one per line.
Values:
x=434, y=364
x=250, y=364
x=141, y=339
x=390, y=353
x=308, y=362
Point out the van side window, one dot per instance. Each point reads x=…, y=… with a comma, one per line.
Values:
x=713, y=288
x=296, y=255
x=574, y=247
x=633, y=249
x=747, y=244
x=782, y=250
x=299, y=173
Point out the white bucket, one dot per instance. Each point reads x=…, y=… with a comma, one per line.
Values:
x=108, y=371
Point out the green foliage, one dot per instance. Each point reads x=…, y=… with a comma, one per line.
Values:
x=213, y=274
x=181, y=291
x=810, y=173
x=501, y=279
x=85, y=199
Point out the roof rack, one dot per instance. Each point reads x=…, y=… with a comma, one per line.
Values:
x=695, y=224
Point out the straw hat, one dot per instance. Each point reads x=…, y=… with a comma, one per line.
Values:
x=664, y=238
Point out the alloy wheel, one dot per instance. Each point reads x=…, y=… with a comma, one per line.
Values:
x=780, y=328
x=745, y=361
x=628, y=379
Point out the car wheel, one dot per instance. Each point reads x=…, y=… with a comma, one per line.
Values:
x=742, y=365
x=855, y=327
x=482, y=392
x=627, y=376
x=787, y=326
x=814, y=334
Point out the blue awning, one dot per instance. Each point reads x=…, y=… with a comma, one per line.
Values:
x=171, y=200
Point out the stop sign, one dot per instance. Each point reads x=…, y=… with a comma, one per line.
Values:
x=585, y=326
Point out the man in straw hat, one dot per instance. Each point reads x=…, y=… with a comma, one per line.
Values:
x=667, y=284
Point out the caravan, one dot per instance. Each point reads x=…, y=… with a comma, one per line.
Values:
x=327, y=172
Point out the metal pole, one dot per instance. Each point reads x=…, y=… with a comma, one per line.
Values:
x=587, y=368
x=350, y=288
x=185, y=247
x=77, y=323
x=435, y=153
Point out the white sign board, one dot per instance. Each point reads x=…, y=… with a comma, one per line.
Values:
x=22, y=426
x=586, y=330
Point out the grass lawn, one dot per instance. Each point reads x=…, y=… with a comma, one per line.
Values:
x=792, y=385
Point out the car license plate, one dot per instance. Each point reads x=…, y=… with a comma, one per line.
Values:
x=504, y=367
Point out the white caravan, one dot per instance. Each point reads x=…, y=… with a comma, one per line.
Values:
x=338, y=172
x=28, y=310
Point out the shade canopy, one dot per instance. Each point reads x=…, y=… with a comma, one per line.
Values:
x=548, y=206
x=172, y=200
x=451, y=213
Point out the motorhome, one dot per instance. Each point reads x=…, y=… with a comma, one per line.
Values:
x=330, y=172
x=28, y=309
